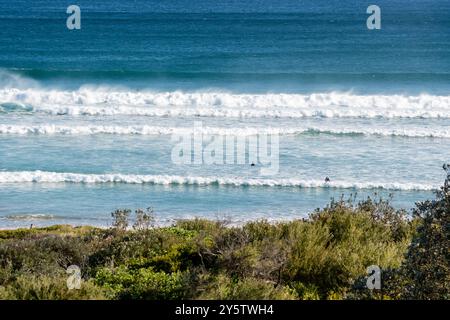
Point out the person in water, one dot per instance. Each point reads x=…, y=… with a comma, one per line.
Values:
x=327, y=180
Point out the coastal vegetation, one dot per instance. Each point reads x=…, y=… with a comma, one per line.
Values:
x=324, y=256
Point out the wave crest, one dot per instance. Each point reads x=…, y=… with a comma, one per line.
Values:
x=108, y=101
x=63, y=177
x=51, y=129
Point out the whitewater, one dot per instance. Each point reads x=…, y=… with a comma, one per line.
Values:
x=51, y=129
x=65, y=177
x=103, y=101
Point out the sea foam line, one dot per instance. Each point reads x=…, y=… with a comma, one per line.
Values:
x=64, y=177
x=52, y=129
x=107, y=101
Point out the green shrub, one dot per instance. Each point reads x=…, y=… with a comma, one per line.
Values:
x=336, y=245
x=427, y=265
x=225, y=288
x=200, y=225
x=33, y=287
x=144, y=219
x=425, y=271
x=43, y=254
x=120, y=218
x=306, y=292
x=142, y=283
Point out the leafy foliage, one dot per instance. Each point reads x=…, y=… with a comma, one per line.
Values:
x=425, y=271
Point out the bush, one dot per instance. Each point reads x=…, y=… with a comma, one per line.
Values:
x=425, y=271
x=44, y=254
x=33, y=287
x=142, y=283
x=225, y=288
x=120, y=218
x=427, y=264
x=336, y=245
x=144, y=219
x=306, y=292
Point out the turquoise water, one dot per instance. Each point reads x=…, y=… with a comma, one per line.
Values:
x=88, y=117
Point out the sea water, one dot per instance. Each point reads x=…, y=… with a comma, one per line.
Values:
x=87, y=117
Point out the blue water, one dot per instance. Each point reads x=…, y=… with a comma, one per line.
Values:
x=87, y=117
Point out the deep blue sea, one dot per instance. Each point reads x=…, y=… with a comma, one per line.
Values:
x=92, y=120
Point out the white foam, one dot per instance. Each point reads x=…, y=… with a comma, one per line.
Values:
x=108, y=101
x=52, y=129
x=62, y=177
x=35, y=216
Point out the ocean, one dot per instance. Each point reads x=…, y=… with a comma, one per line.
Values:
x=93, y=120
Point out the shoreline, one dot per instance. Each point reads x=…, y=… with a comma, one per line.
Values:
x=164, y=225
x=226, y=220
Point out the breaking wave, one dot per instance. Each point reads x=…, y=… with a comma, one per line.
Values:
x=63, y=177
x=34, y=216
x=101, y=101
x=50, y=129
